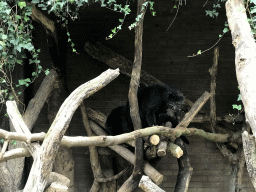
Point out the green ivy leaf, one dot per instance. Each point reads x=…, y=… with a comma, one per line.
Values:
x=4, y=36
x=26, y=18
x=47, y=71
x=114, y=30
x=13, y=142
x=225, y=30
x=238, y=107
x=21, y=4
x=239, y=97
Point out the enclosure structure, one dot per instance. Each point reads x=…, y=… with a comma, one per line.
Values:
x=165, y=56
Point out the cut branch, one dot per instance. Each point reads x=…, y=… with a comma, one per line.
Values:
x=129, y=156
x=148, y=186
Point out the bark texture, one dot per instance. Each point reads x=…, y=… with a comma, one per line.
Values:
x=43, y=163
x=245, y=57
x=250, y=155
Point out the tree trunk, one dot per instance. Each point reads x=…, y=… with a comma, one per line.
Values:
x=245, y=57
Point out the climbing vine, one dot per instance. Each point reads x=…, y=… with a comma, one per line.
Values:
x=16, y=35
x=15, y=40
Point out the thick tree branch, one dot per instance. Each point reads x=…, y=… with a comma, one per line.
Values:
x=38, y=16
x=133, y=101
x=42, y=166
x=185, y=169
x=104, y=141
x=114, y=60
x=36, y=104
x=148, y=186
x=194, y=110
x=94, y=158
x=245, y=57
x=129, y=156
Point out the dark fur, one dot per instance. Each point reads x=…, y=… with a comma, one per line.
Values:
x=153, y=103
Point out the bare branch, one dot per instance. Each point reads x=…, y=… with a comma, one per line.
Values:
x=42, y=166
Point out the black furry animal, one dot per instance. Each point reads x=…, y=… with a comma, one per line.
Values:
x=153, y=103
x=118, y=122
x=155, y=100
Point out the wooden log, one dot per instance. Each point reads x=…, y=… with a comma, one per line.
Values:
x=185, y=169
x=57, y=187
x=194, y=110
x=213, y=73
x=154, y=139
x=58, y=178
x=237, y=170
x=148, y=186
x=128, y=185
x=175, y=150
x=162, y=149
x=129, y=156
x=114, y=60
x=94, y=158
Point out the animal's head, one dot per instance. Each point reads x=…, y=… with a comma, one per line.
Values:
x=176, y=99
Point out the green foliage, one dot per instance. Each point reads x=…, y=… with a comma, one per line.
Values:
x=251, y=10
x=214, y=12
x=16, y=36
x=250, y=6
x=15, y=39
x=238, y=107
x=14, y=142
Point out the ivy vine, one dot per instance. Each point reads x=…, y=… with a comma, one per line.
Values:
x=16, y=35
